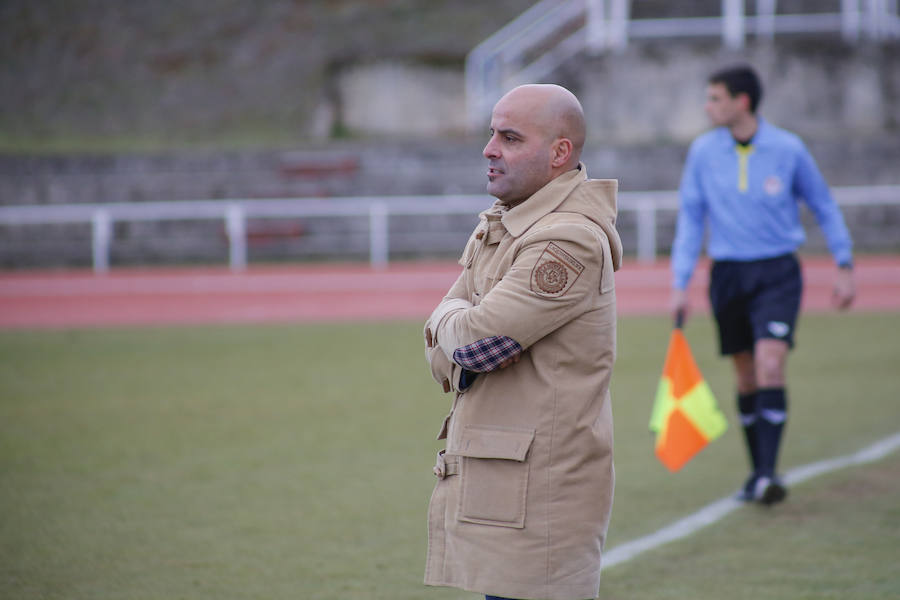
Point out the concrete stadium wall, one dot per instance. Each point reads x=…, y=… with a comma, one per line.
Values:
x=654, y=92
x=822, y=90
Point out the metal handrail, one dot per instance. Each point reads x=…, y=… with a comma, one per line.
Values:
x=235, y=212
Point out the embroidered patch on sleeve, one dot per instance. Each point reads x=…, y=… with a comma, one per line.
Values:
x=555, y=272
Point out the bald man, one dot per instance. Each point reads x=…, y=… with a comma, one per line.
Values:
x=524, y=343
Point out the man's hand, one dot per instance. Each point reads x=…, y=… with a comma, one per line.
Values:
x=679, y=305
x=510, y=361
x=844, y=289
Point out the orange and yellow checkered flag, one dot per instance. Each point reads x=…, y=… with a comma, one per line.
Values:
x=685, y=415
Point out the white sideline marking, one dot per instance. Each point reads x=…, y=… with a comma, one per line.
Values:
x=711, y=513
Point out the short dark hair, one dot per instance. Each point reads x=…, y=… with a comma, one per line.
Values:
x=741, y=79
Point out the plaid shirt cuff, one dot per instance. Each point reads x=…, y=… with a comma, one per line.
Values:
x=486, y=354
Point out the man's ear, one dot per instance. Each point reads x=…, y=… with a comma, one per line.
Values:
x=561, y=152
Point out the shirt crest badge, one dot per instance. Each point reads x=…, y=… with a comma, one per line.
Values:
x=772, y=185
x=555, y=272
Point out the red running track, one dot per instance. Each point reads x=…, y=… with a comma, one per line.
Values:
x=295, y=294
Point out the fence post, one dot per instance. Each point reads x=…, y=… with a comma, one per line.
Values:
x=378, y=235
x=101, y=230
x=765, y=19
x=850, y=20
x=619, y=15
x=874, y=10
x=236, y=226
x=597, y=38
x=884, y=22
x=646, y=231
x=733, y=23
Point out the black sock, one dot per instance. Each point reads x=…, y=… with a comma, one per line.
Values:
x=772, y=403
x=749, y=415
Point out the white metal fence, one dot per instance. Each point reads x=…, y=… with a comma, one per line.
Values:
x=645, y=207
x=553, y=31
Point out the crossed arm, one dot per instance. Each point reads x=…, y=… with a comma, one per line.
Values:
x=463, y=340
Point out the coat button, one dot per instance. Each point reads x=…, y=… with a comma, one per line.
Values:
x=479, y=235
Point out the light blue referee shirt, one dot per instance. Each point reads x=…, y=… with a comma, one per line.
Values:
x=750, y=197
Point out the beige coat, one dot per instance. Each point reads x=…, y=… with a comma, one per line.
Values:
x=525, y=485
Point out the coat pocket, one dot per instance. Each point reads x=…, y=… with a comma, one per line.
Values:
x=494, y=474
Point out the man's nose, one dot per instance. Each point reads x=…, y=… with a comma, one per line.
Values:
x=491, y=150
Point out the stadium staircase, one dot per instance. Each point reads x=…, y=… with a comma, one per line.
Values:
x=551, y=32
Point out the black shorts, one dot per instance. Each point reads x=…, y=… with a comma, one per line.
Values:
x=757, y=299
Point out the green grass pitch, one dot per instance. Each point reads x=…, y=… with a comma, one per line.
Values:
x=293, y=462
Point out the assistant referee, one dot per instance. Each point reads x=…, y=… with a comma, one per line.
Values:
x=744, y=180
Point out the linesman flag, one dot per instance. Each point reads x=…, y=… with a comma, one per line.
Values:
x=685, y=416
